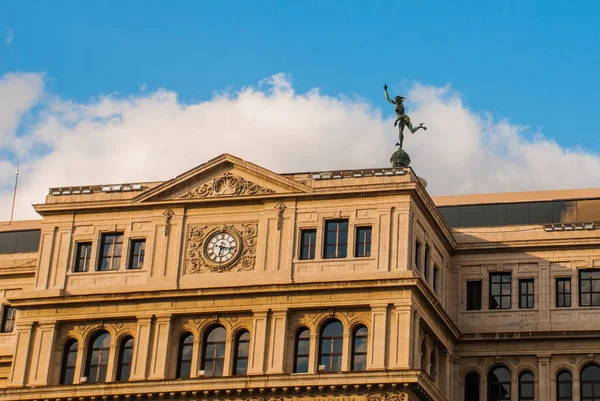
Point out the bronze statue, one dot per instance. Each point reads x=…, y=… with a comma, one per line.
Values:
x=402, y=120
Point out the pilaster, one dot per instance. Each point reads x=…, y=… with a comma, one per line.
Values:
x=42, y=353
x=160, y=347
x=18, y=374
x=277, y=341
x=258, y=343
x=378, y=337
x=142, y=348
x=544, y=377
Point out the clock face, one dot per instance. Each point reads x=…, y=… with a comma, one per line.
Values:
x=222, y=247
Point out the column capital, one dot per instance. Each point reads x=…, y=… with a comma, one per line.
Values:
x=280, y=312
x=379, y=307
x=260, y=312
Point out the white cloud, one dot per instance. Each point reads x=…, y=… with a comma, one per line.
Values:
x=153, y=136
x=9, y=36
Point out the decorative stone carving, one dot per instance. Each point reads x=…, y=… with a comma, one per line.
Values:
x=280, y=210
x=375, y=397
x=572, y=360
x=168, y=216
x=196, y=261
x=226, y=185
x=480, y=362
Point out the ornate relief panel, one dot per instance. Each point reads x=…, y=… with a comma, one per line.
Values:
x=221, y=248
x=226, y=185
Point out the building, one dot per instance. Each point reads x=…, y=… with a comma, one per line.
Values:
x=232, y=282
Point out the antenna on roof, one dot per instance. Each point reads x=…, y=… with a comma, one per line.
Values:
x=12, y=213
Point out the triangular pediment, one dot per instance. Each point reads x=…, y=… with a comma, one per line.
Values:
x=224, y=177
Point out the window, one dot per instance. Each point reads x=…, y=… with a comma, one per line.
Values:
x=184, y=358
x=8, y=319
x=330, y=352
x=563, y=386
x=473, y=295
x=359, y=348
x=526, y=293
x=213, y=355
x=68, y=363
x=563, y=292
x=590, y=383
x=363, y=242
x=436, y=273
x=433, y=365
x=136, y=255
x=110, y=251
x=302, y=350
x=82, y=257
x=500, y=290
x=97, y=357
x=418, y=255
x=19, y=241
x=426, y=262
x=308, y=241
x=472, y=387
x=240, y=358
x=336, y=239
x=526, y=386
x=125, y=358
x=589, y=287
x=423, y=355
x=498, y=383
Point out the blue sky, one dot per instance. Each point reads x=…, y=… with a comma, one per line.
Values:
x=533, y=62
x=94, y=92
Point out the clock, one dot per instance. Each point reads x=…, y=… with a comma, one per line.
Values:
x=222, y=247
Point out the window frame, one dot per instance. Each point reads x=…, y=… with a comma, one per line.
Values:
x=102, y=351
x=302, y=245
x=560, y=397
x=563, y=294
x=121, y=363
x=595, y=383
x=112, y=257
x=132, y=254
x=215, y=347
x=522, y=384
x=331, y=354
x=67, y=351
x=182, y=344
x=502, y=295
x=366, y=245
x=478, y=299
x=528, y=296
x=297, y=355
x=418, y=246
x=591, y=292
x=490, y=396
x=87, y=261
x=354, y=354
x=7, y=321
x=338, y=244
x=236, y=353
x=426, y=260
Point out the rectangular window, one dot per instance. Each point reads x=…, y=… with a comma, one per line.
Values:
x=473, y=295
x=8, y=319
x=563, y=292
x=589, y=287
x=500, y=290
x=526, y=293
x=111, y=248
x=363, y=242
x=336, y=239
x=436, y=272
x=137, y=250
x=82, y=257
x=426, y=262
x=308, y=242
x=418, y=255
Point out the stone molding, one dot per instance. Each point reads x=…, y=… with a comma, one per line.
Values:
x=227, y=184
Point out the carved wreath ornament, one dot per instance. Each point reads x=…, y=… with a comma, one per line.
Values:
x=226, y=185
x=198, y=260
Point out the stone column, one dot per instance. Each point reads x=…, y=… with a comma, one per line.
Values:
x=544, y=390
x=346, y=350
x=111, y=368
x=376, y=354
x=258, y=342
x=42, y=354
x=278, y=336
x=142, y=350
x=20, y=365
x=313, y=353
x=160, y=348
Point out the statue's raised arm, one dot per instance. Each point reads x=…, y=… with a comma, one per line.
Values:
x=387, y=96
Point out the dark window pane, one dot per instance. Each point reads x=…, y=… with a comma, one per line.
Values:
x=336, y=238
x=450, y=214
x=8, y=319
x=330, y=350
x=240, y=362
x=498, y=384
x=473, y=295
x=82, y=257
x=500, y=294
x=97, y=359
x=308, y=242
x=19, y=241
x=213, y=353
x=136, y=254
x=470, y=216
x=184, y=359
x=418, y=255
x=472, y=387
x=110, y=251
x=125, y=359
x=363, y=242
x=359, y=348
x=526, y=293
x=69, y=360
x=540, y=213
x=589, y=287
x=492, y=215
x=517, y=213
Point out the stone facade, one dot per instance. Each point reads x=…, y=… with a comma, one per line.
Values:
x=421, y=342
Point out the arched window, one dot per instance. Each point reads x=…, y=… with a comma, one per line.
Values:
x=213, y=353
x=359, y=348
x=433, y=365
x=302, y=350
x=526, y=386
x=498, y=384
x=472, y=387
x=125, y=358
x=564, y=386
x=240, y=358
x=590, y=383
x=68, y=363
x=330, y=351
x=184, y=357
x=97, y=357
